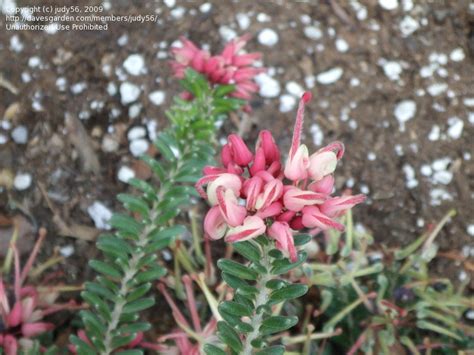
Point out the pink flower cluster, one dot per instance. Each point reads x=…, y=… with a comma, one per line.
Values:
x=228, y=67
x=253, y=194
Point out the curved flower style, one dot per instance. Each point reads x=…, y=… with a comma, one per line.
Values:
x=228, y=67
x=21, y=315
x=254, y=194
x=188, y=339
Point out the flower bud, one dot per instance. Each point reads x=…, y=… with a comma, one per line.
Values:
x=296, y=199
x=270, y=149
x=272, y=191
x=252, y=189
x=214, y=224
x=337, y=206
x=241, y=154
x=228, y=181
x=297, y=165
x=252, y=227
x=322, y=164
x=281, y=232
x=314, y=218
x=323, y=186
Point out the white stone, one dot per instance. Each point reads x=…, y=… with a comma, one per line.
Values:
x=20, y=135
x=407, y=5
x=22, y=181
x=287, y=103
x=157, y=97
x=341, y=45
x=170, y=3
x=371, y=156
x=317, y=134
x=206, y=7
x=268, y=37
x=456, y=126
x=129, y=92
x=138, y=147
x=178, y=12
x=100, y=214
x=330, y=76
x=388, y=4
x=441, y=164
x=135, y=64
x=269, y=87
x=77, y=88
x=123, y=40
x=262, y=17
x=136, y=133
x=470, y=229
x=67, y=250
x=34, y=62
x=111, y=89
x=294, y=89
x=443, y=177
x=426, y=170
x=227, y=33
x=457, y=55
x=134, y=110
x=243, y=20
x=438, y=195
x=125, y=174
x=468, y=101
x=434, y=133
x=437, y=89
x=410, y=176
x=313, y=32
x=392, y=70
x=15, y=44
x=408, y=25
x=3, y=138
x=109, y=144
x=404, y=111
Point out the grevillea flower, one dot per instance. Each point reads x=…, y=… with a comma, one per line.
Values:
x=228, y=67
x=22, y=312
x=254, y=194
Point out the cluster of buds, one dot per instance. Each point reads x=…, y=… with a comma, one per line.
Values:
x=253, y=194
x=228, y=67
x=21, y=316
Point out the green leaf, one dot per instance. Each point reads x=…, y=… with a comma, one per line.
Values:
x=288, y=292
x=301, y=239
x=134, y=204
x=122, y=340
x=139, y=305
x=155, y=166
x=234, y=281
x=142, y=186
x=233, y=268
x=229, y=336
x=100, y=290
x=150, y=275
x=82, y=345
x=235, y=308
x=284, y=265
x=276, y=284
x=210, y=349
x=162, y=143
x=138, y=292
x=248, y=250
x=223, y=90
x=272, y=350
x=134, y=328
x=96, y=302
x=130, y=352
x=93, y=323
x=277, y=324
x=104, y=268
x=125, y=223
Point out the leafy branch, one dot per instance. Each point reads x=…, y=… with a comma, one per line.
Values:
x=129, y=264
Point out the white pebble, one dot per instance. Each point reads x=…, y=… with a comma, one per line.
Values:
x=77, y=88
x=456, y=126
x=388, y=4
x=411, y=181
x=317, y=134
x=371, y=156
x=287, y=103
x=129, y=93
x=15, y=44
x=437, y=88
x=408, y=25
x=441, y=164
x=341, y=45
x=227, y=33
x=392, y=70
x=438, y=195
x=20, y=135
x=125, y=174
x=294, y=89
x=136, y=133
x=470, y=230
x=67, y=250
x=330, y=76
x=457, y=55
x=468, y=101
x=243, y=20
x=157, y=97
x=434, y=133
x=206, y=7
x=268, y=37
x=313, y=32
x=443, y=177
x=138, y=147
x=100, y=214
x=404, y=111
x=269, y=87
x=34, y=62
x=135, y=64
x=109, y=144
x=22, y=181
x=3, y=138
x=123, y=40
x=426, y=170
x=170, y=3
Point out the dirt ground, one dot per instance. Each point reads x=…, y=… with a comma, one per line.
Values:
x=404, y=107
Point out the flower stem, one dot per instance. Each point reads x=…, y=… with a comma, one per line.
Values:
x=261, y=299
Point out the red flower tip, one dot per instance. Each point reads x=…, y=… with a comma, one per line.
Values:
x=307, y=96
